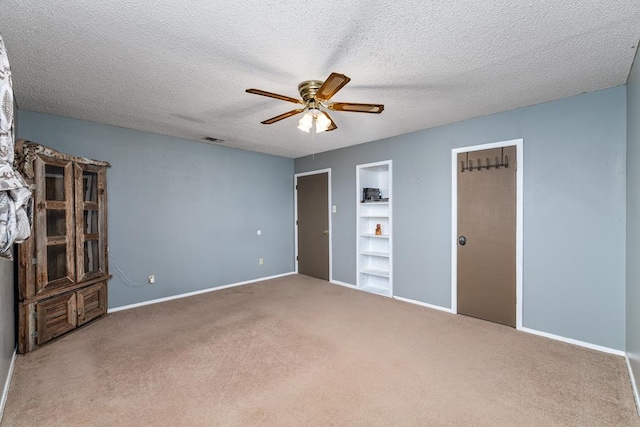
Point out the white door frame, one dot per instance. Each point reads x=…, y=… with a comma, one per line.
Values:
x=295, y=215
x=519, y=229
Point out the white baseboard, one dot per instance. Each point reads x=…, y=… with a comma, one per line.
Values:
x=348, y=285
x=634, y=385
x=190, y=294
x=424, y=304
x=7, y=384
x=575, y=342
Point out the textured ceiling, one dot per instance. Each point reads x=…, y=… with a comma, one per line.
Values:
x=181, y=68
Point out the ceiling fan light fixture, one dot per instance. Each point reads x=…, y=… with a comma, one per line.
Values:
x=313, y=115
x=306, y=122
x=322, y=122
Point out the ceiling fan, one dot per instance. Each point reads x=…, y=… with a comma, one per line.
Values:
x=315, y=96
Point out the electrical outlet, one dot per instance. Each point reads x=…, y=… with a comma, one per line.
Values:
x=261, y=261
x=151, y=279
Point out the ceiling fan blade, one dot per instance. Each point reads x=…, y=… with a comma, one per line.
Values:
x=356, y=108
x=282, y=116
x=274, y=95
x=332, y=126
x=333, y=84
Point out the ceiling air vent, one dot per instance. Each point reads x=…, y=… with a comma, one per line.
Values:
x=212, y=139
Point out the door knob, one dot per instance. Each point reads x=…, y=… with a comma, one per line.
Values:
x=325, y=232
x=462, y=240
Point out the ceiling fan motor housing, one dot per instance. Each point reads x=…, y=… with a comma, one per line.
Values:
x=308, y=89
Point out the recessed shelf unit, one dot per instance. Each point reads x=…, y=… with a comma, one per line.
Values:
x=374, y=251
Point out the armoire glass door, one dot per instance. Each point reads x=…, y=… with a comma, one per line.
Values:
x=54, y=218
x=90, y=184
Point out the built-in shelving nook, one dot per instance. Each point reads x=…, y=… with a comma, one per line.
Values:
x=374, y=261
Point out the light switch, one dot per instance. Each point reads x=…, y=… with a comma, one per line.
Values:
x=334, y=209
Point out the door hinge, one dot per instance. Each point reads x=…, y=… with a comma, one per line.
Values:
x=34, y=261
x=34, y=334
x=296, y=187
x=297, y=258
x=296, y=222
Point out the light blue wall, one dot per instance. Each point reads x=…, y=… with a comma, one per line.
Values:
x=7, y=321
x=574, y=210
x=185, y=211
x=633, y=219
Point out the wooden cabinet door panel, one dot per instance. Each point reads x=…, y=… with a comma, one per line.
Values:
x=54, y=224
x=56, y=316
x=92, y=302
x=91, y=221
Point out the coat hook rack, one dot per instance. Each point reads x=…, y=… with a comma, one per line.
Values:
x=502, y=161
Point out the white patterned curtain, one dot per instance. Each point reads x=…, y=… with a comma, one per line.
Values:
x=16, y=205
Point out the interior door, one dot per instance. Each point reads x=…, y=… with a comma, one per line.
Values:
x=487, y=235
x=313, y=225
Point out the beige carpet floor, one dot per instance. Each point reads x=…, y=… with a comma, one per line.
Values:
x=298, y=351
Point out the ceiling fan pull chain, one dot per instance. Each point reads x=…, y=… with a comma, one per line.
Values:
x=313, y=139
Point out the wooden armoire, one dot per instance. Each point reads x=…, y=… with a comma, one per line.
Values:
x=63, y=267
